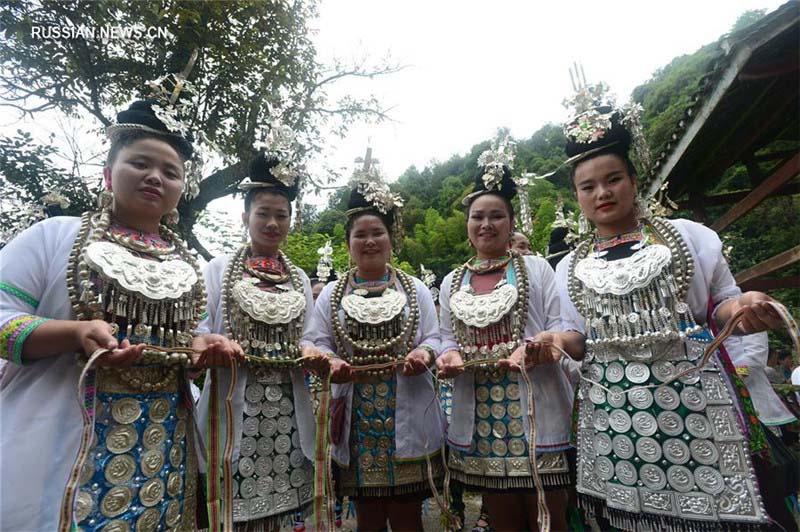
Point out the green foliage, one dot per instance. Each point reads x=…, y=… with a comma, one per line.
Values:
x=545, y=215
x=439, y=243
x=667, y=94
x=748, y=17
x=302, y=249
x=255, y=60
x=27, y=174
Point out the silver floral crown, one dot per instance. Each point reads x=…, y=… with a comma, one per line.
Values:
x=168, y=108
x=280, y=142
x=593, y=107
x=369, y=183
x=325, y=264
x=495, y=158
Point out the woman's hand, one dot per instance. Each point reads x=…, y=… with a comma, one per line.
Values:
x=216, y=352
x=316, y=361
x=124, y=356
x=450, y=364
x=93, y=335
x=341, y=371
x=541, y=349
x=417, y=362
x=96, y=334
x=758, y=315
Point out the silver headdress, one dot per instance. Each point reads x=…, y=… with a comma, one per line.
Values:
x=168, y=108
x=280, y=142
x=569, y=223
x=367, y=180
x=325, y=264
x=428, y=278
x=593, y=110
x=492, y=160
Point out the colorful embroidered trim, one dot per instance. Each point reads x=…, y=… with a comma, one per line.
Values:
x=87, y=400
x=219, y=499
x=14, y=333
x=21, y=294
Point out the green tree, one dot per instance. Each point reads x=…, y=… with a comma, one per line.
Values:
x=542, y=226
x=256, y=62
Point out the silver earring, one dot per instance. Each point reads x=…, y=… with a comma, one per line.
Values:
x=173, y=217
x=105, y=199
x=584, y=228
x=641, y=208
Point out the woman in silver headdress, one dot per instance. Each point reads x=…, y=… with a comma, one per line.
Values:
x=384, y=423
x=658, y=448
x=104, y=286
x=258, y=298
x=490, y=307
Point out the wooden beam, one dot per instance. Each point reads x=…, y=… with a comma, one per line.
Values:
x=732, y=197
x=769, y=70
x=725, y=153
x=764, y=284
x=783, y=174
x=771, y=156
x=778, y=262
x=736, y=64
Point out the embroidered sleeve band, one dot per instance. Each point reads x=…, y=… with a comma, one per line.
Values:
x=20, y=294
x=14, y=333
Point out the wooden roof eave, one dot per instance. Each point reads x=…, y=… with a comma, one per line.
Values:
x=742, y=54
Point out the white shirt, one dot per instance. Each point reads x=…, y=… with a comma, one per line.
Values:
x=419, y=420
x=215, y=323
x=552, y=389
x=751, y=351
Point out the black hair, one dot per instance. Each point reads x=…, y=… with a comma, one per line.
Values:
x=140, y=114
x=126, y=138
x=261, y=172
x=362, y=206
x=616, y=140
x=506, y=190
x=783, y=355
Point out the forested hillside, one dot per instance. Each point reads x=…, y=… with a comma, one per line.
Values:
x=435, y=230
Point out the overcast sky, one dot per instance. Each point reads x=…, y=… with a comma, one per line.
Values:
x=474, y=66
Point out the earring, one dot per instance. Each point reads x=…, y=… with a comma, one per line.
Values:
x=104, y=200
x=584, y=228
x=641, y=208
x=172, y=217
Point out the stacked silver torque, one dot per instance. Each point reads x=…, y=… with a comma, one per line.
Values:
x=377, y=329
x=268, y=325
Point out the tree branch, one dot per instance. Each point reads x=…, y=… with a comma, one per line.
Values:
x=219, y=184
x=358, y=72
x=24, y=111
x=194, y=243
x=378, y=113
